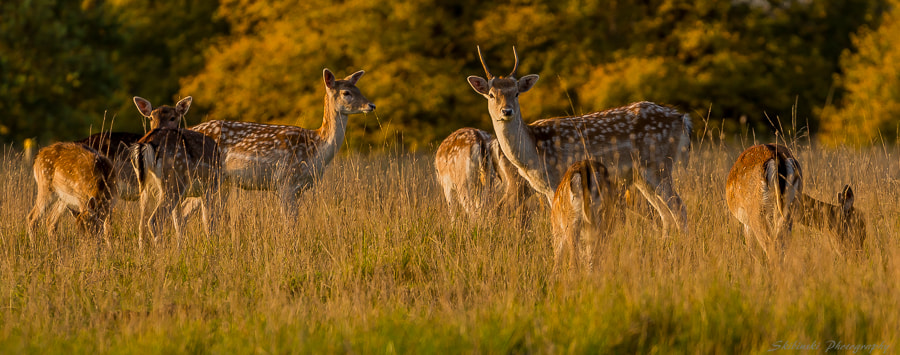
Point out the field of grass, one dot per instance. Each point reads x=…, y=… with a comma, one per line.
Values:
x=375, y=264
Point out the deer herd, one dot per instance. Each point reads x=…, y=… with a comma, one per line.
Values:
x=580, y=165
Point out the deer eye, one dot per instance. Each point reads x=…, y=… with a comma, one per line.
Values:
x=491, y=95
x=345, y=93
x=517, y=94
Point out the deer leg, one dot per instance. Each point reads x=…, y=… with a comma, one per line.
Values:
x=145, y=224
x=288, y=196
x=189, y=207
x=657, y=203
x=674, y=203
x=164, y=208
x=560, y=235
x=41, y=204
x=211, y=208
x=53, y=222
x=171, y=207
x=573, y=245
x=659, y=192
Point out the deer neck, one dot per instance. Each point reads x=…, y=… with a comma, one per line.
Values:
x=334, y=126
x=518, y=143
x=817, y=214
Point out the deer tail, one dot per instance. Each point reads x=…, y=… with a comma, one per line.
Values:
x=141, y=155
x=784, y=177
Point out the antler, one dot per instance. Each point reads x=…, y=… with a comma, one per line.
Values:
x=515, y=66
x=486, y=71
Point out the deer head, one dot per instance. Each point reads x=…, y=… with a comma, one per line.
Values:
x=501, y=92
x=164, y=116
x=344, y=96
x=851, y=224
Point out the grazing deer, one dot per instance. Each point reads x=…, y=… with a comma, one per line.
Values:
x=638, y=143
x=842, y=219
x=584, y=211
x=114, y=145
x=288, y=159
x=765, y=192
x=176, y=163
x=761, y=191
x=471, y=168
x=75, y=177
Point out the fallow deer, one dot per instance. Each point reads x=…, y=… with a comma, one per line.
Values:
x=471, y=169
x=584, y=212
x=114, y=145
x=638, y=143
x=765, y=192
x=762, y=190
x=842, y=219
x=287, y=159
x=75, y=177
x=176, y=163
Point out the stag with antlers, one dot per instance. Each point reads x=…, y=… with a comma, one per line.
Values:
x=638, y=143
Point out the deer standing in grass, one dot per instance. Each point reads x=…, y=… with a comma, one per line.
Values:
x=471, y=168
x=114, y=145
x=584, y=211
x=288, y=159
x=75, y=177
x=842, y=219
x=175, y=163
x=638, y=143
x=761, y=191
x=764, y=191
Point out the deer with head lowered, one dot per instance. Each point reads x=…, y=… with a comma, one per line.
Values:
x=761, y=191
x=175, y=163
x=638, y=143
x=114, y=145
x=471, y=169
x=764, y=191
x=74, y=177
x=585, y=210
x=287, y=159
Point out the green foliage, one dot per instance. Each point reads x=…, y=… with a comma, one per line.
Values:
x=55, y=67
x=66, y=64
x=871, y=79
x=746, y=59
x=163, y=41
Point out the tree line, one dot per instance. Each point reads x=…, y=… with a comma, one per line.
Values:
x=70, y=68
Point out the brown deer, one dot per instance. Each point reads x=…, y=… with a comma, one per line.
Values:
x=638, y=143
x=842, y=219
x=471, y=169
x=585, y=210
x=761, y=191
x=75, y=177
x=288, y=159
x=114, y=145
x=176, y=163
x=764, y=191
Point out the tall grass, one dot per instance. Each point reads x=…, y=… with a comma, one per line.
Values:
x=374, y=263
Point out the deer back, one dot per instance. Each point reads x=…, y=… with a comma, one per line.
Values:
x=177, y=156
x=79, y=177
x=114, y=145
x=765, y=179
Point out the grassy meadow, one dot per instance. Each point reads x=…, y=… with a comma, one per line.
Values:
x=374, y=263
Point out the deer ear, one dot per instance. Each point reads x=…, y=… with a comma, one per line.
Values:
x=353, y=78
x=143, y=106
x=182, y=106
x=479, y=84
x=526, y=82
x=328, y=76
x=845, y=198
